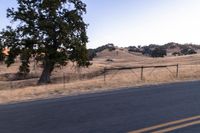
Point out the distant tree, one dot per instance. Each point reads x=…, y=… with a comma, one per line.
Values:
x=159, y=52
x=134, y=49
x=188, y=51
x=54, y=29
x=147, y=51
x=111, y=49
x=109, y=60
x=153, y=46
x=176, y=53
x=171, y=45
x=108, y=46
x=91, y=54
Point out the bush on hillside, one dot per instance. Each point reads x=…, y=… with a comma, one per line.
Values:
x=93, y=52
x=159, y=52
x=134, y=49
x=176, y=53
x=147, y=51
x=188, y=51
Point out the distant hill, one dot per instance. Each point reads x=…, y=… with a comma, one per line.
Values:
x=171, y=48
x=152, y=50
x=93, y=52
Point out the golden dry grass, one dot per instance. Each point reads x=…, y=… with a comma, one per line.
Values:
x=12, y=91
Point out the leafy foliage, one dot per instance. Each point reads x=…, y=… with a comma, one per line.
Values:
x=93, y=52
x=176, y=53
x=188, y=51
x=108, y=46
x=135, y=49
x=2, y=56
x=154, y=50
x=53, y=28
x=159, y=52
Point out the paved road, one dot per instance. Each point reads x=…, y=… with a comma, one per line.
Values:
x=112, y=112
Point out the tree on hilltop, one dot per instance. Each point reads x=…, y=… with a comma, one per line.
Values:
x=159, y=52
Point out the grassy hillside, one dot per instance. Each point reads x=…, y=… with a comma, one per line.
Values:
x=71, y=80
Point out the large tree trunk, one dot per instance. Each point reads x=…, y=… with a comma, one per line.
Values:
x=45, y=77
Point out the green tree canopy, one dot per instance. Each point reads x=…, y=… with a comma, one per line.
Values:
x=54, y=29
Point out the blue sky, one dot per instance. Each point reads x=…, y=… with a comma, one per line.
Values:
x=136, y=22
x=4, y=4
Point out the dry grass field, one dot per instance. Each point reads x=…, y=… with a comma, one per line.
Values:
x=70, y=80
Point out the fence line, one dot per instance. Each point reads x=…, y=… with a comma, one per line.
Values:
x=141, y=68
x=141, y=73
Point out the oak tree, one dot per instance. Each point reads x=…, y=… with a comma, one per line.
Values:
x=52, y=31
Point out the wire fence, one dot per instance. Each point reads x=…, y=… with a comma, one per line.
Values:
x=117, y=69
x=151, y=74
x=118, y=75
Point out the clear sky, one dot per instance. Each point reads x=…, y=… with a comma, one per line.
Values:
x=136, y=22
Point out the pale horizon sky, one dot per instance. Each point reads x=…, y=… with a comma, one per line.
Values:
x=136, y=22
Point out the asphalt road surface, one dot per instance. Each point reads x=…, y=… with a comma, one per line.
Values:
x=170, y=107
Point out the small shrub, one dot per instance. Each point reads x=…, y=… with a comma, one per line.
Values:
x=109, y=60
x=176, y=54
x=188, y=51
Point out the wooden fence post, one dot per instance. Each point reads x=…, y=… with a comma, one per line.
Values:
x=64, y=80
x=104, y=72
x=177, y=71
x=142, y=71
